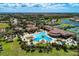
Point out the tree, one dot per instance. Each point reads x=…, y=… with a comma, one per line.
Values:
x=1, y=48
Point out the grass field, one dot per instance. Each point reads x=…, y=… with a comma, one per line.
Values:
x=4, y=25
x=13, y=49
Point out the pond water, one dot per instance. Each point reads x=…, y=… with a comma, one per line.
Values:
x=68, y=21
x=73, y=23
x=75, y=30
x=76, y=24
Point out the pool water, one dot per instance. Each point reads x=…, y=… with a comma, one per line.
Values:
x=42, y=36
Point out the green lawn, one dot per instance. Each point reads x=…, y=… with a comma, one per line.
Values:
x=4, y=25
x=13, y=49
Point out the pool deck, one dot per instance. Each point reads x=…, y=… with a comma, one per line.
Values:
x=39, y=35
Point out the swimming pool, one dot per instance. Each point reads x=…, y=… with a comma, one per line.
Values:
x=42, y=36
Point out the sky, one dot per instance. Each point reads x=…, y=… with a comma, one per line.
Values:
x=39, y=7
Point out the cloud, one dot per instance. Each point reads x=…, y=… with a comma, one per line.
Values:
x=74, y=4
x=46, y=5
x=42, y=5
x=53, y=5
